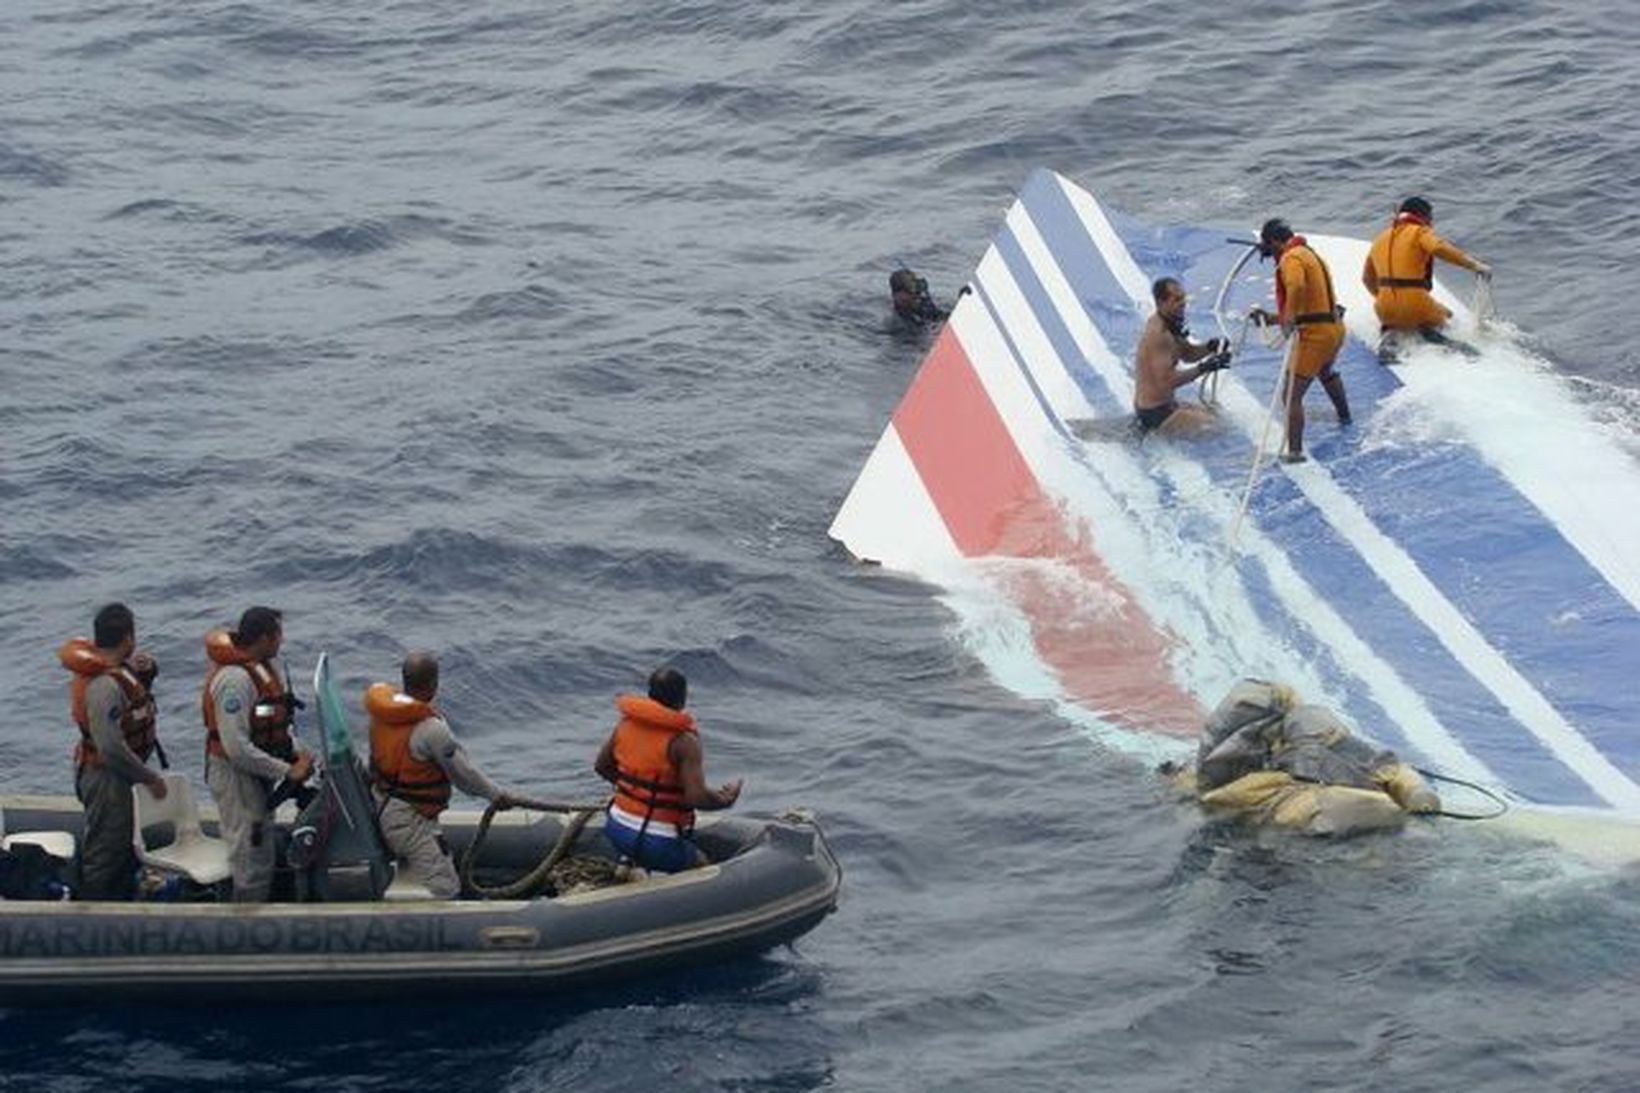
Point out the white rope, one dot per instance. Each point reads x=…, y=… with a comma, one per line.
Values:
x=1224, y=291
x=1482, y=306
x=1208, y=387
x=1272, y=336
x=1257, y=465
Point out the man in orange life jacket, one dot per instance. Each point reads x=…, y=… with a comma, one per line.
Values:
x=248, y=746
x=655, y=762
x=1400, y=272
x=1308, y=312
x=110, y=702
x=414, y=761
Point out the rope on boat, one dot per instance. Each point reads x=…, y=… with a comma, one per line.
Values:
x=538, y=878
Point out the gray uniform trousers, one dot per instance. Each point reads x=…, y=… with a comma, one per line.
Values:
x=108, y=865
x=416, y=840
x=242, y=801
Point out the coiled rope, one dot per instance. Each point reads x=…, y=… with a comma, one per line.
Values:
x=534, y=881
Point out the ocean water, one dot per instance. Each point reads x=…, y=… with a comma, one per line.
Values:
x=551, y=336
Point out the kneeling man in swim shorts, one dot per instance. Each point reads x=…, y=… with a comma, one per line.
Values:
x=1163, y=346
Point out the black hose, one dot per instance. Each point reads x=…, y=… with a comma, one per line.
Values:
x=1503, y=805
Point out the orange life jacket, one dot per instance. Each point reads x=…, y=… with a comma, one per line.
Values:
x=137, y=722
x=270, y=714
x=646, y=780
x=1317, y=302
x=1399, y=255
x=1402, y=265
x=418, y=782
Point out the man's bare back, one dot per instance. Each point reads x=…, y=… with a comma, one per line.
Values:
x=1156, y=372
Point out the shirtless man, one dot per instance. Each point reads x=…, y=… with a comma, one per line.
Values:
x=1162, y=346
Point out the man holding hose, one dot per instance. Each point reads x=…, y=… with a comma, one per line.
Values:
x=1164, y=345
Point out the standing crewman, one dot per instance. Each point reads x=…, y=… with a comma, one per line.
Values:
x=1400, y=272
x=655, y=762
x=109, y=699
x=1308, y=312
x=415, y=760
x=248, y=712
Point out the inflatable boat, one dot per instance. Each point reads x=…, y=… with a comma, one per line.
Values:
x=349, y=928
x=1453, y=572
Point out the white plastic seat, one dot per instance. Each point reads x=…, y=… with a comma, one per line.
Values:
x=59, y=844
x=186, y=850
x=406, y=885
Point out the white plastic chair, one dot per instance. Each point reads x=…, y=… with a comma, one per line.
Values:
x=406, y=885
x=59, y=844
x=189, y=851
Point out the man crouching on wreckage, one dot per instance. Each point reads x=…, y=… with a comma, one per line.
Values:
x=1268, y=759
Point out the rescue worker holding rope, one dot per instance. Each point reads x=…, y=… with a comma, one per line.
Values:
x=654, y=760
x=415, y=761
x=1308, y=312
x=110, y=701
x=248, y=712
x=1400, y=272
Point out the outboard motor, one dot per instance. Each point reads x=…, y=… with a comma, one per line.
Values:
x=336, y=848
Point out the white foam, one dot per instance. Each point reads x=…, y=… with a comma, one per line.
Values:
x=1398, y=571
x=1523, y=418
x=1146, y=510
x=1178, y=574
x=995, y=632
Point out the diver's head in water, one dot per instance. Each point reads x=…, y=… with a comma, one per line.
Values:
x=1419, y=207
x=910, y=295
x=1170, y=304
x=1273, y=236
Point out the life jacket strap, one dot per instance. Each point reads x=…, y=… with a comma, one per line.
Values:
x=652, y=802
x=420, y=790
x=652, y=795
x=644, y=783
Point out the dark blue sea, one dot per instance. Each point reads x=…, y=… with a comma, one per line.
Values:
x=550, y=337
